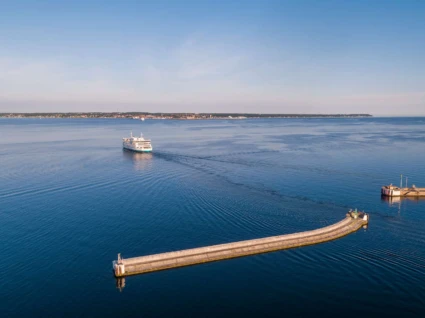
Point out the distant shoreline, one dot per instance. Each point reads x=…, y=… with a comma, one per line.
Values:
x=181, y=116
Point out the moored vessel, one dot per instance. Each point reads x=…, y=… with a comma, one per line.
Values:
x=137, y=144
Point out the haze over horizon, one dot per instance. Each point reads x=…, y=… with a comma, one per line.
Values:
x=213, y=56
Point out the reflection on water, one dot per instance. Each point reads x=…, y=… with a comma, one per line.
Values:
x=120, y=283
x=141, y=161
x=398, y=200
x=403, y=204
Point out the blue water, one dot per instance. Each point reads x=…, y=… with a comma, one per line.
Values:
x=71, y=199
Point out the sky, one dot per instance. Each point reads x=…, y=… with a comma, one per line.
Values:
x=213, y=56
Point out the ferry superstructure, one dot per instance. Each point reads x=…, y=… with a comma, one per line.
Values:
x=137, y=144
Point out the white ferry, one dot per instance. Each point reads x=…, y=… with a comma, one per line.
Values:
x=138, y=144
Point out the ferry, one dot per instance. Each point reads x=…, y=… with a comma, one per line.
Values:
x=138, y=144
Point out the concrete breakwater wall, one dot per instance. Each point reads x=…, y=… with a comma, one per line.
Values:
x=143, y=264
x=393, y=191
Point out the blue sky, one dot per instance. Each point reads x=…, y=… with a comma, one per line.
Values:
x=213, y=56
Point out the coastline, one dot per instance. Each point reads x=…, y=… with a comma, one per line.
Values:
x=176, y=116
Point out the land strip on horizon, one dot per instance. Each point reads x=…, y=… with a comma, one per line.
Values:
x=146, y=115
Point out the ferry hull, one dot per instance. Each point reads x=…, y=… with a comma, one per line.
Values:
x=138, y=150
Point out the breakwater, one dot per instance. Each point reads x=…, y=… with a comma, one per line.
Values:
x=393, y=191
x=150, y=263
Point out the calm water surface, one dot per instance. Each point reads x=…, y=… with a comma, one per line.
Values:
x=71, y=199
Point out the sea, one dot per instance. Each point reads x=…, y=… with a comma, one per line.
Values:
x=71, y=199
